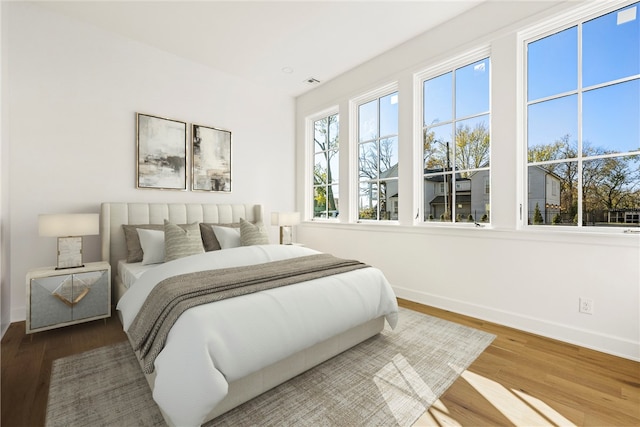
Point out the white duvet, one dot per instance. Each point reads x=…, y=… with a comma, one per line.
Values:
x=212, y=345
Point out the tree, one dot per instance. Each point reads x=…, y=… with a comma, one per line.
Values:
x=373, y=161
x=608, y=182
x=471, y=148
x=611, y=183
x=537, y=216
x=326, y=141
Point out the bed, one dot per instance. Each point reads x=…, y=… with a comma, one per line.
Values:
x=219, y=355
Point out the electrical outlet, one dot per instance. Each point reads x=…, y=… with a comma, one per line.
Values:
x=586, y=305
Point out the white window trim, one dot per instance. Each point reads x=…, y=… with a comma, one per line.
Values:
x=309, y=153
x=354, y=121
x=457, y=61
x=527, y=35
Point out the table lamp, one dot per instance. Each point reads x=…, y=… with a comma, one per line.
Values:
x=285, y=220
x=69, y=229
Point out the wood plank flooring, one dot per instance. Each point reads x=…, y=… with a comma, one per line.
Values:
x=26, y=364
x=521, y=379
x=527, y=380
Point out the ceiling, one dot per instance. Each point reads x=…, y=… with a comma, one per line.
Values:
x=280, y=44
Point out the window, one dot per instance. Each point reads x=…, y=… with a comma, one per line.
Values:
x=378, y=158
x=326, y=167
x=583, y=122
x=456, y=141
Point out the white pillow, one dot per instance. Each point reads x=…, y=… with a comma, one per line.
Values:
x=228, y=237
x=152, y=243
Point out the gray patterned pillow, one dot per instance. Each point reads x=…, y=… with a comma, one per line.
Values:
x=182, y=241
x=252, y=234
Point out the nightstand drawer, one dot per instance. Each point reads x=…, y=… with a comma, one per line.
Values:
x=59, y=299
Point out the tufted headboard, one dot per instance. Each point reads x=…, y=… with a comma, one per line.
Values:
x=114, y=215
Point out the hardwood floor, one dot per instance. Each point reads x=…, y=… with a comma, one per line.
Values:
x=26, y=364
x=527, y=380
x=521, y=379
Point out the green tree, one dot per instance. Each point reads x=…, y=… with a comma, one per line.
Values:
x=537, y=216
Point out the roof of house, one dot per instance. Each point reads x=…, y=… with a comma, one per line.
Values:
x=439, y=200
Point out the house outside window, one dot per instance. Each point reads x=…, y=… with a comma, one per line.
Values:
x=583, y=121
x=377, y=145
x=326, y=167
x=456, y=140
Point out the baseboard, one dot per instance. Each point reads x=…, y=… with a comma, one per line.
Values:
x=605, y=343
x=3, y=328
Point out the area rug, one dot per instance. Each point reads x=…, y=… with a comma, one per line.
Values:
x=390, y=379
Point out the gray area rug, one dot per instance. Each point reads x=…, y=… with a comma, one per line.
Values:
x=390, y=379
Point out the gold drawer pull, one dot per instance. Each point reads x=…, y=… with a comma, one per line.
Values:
x=84, y=293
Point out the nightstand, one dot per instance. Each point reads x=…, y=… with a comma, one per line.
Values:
x=57, y=298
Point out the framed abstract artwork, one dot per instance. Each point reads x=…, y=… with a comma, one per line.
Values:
x=211, y=159
x=161, y=153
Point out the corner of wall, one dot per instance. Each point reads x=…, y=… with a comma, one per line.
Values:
x=5, y=282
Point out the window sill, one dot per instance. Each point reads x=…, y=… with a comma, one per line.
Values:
x=549, y=234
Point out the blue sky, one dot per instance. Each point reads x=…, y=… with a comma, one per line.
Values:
x=610, y=53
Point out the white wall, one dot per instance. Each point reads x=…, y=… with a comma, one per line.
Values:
x=73, y=91
x=530, y=280
x=5, y=302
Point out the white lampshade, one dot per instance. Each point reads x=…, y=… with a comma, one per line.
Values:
x=61, y=225
x=284, y=219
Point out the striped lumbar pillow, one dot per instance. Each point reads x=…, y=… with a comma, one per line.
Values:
x=182, y=241
x=252, y=234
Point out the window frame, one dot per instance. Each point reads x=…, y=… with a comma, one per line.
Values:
x=575, y=18
x=450, y=65
x=310, y=150
x=354, y=145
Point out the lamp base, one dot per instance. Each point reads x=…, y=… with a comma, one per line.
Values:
x=285, y=235
x=69, y=252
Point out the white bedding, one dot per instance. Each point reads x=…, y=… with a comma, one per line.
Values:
x=129, y=272
x=245, y=334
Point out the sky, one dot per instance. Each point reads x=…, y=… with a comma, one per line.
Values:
x=606, y=81
x=610, y=101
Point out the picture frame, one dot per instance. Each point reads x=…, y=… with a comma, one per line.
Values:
x=210, y=159
x=161, y=153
